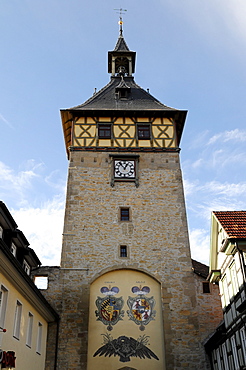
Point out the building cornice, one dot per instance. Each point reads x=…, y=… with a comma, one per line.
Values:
x=13, y=271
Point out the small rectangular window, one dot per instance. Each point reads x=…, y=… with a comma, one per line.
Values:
x=13, y=249
x=29, y=330
x=1, y=232
x=205, y=287
x=143, y=132
x=39, y=338
x=104, y=131
x=123, y=251
x=26, y=267
x=123, y=93
x=124, y=214
x=3, y=305
x=17, y=320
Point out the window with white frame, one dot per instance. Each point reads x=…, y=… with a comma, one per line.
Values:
x=17, y=320
x=214, y=360
x=39, y=338
x=226, y=297
x=234, y=278
x=3, y=305
x=234, y=352
x=243, y=339
x=26, y=267
x=29, y=330
x=13, y=249
x=219, y=364
x=225, y=357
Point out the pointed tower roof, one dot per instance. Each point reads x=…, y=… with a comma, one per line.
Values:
x=122, y=96
x=121, y=44
x=121, y=50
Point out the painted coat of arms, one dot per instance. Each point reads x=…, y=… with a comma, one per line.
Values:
x=109, y=308
x=140, y=307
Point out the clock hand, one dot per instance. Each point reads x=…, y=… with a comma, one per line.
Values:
x=124, y=165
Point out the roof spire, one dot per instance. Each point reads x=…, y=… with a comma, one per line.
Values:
x=120, y=12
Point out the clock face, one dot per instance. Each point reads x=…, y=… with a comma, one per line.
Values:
x=124, y=169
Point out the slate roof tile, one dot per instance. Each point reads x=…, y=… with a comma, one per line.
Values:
x=121, y=45
x=139, y=99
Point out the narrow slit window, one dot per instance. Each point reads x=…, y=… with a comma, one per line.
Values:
x=17, y=320
x=39, y=338
x=3, y=305
x=29, y=330
x=123, y=251
x=125, y=214
x=206, y=287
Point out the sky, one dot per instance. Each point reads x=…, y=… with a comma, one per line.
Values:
x=53, y=53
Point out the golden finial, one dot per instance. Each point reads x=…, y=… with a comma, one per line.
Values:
x=120, y=12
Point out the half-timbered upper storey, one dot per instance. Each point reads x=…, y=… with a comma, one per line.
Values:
x=122, y=115
x=227, y=258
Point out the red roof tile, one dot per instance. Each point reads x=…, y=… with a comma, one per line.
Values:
x=233, y=222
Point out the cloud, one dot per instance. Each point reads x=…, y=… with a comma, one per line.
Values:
x=43, y=228
x=203, y=198
x=190, y=186
x=217, y=154
x=216, y=20
x=231, y=194
x=36, y=201
x=229, y=189
x=235, y=135
x=16, y=184
x=200, y=245
x=198, y=163
x=29, y=184
x=5, y=121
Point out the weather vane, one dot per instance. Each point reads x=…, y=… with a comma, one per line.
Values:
x=121, y=12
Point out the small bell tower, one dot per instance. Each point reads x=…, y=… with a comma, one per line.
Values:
x=121, y=61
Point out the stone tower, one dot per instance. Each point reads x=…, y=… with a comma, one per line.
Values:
x=125, y=289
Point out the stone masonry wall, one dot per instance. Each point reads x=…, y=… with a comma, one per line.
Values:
x=208, y=307
x=157, y=238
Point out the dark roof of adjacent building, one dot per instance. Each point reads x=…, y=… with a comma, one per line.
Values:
x=26, y=278
x=11, y=233
x=200, y=268
x=6, y=219
x=233, y=222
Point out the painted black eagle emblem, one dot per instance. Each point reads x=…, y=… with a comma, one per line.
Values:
x=125, y=347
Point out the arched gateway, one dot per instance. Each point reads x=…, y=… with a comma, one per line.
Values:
x=125, y=321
